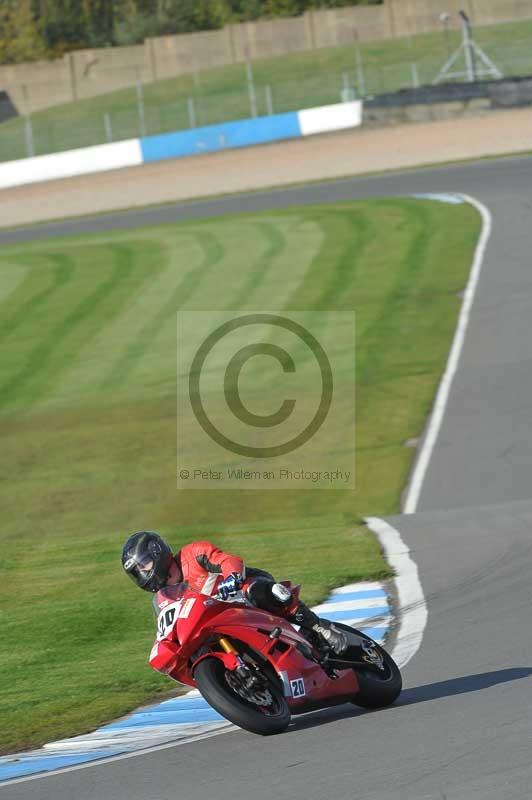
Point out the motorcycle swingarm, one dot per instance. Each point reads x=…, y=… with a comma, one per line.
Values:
x=363, y=655
x=338, y=663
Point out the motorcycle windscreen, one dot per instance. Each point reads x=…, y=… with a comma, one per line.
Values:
x=168, y=595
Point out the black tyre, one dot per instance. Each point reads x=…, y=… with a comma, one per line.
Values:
x=265, y=718
x=377, y=689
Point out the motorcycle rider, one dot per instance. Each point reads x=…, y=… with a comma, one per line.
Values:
x=151, y=564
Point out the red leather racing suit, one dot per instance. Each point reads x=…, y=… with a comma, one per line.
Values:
x=203, y=566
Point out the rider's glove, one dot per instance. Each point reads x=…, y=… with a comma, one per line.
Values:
x=230, y=585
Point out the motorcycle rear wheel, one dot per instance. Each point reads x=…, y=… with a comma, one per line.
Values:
x=210, y=679
x=377, y=689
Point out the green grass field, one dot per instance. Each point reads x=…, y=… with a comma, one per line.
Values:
x=88, y=425
x=297, y=81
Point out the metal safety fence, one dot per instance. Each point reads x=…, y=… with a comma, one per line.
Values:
x=254, y=89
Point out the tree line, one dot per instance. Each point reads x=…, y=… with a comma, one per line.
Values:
x=36, y=29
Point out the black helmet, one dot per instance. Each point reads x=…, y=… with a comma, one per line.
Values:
x=147, y=559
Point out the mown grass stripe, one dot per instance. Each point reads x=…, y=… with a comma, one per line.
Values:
x=260, y=265
x=154, y=269
x=62, y=272
x=402, y=285
x=214, y=252
x=37, y=361
x=10, y=280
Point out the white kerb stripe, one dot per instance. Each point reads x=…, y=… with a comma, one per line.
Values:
x=71, y=162
x=330, y=118
x=359, y=587
x=412, y=607
x=351, y=605
x=369, y=622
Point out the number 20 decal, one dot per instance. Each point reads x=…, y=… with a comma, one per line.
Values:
x=167, y=617
x=166, y=620
x=298, y=687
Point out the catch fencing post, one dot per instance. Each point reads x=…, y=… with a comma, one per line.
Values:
x=251, y=90
x=108, y=127
x=28, y=126
x=28, y=136
x=140, y=104
x=361, y=81
x=347, y=93
x=269, y=100
x=415, y=75
x=191, y=112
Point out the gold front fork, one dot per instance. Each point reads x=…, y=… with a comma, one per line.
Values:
x=227, y=646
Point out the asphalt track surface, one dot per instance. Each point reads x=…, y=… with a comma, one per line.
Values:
x=462, y=729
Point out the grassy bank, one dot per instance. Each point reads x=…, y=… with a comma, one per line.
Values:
x=87, y=420
x=296, y=81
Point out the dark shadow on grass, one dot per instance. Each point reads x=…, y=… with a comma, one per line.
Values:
x=417, y=694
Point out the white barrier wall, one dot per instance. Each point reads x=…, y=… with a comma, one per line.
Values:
x=178, y=144
x=70, y=163
x=330, y=118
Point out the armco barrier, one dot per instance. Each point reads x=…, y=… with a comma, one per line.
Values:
x=212, y=138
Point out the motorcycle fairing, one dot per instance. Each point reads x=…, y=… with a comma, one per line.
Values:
x=273, y=638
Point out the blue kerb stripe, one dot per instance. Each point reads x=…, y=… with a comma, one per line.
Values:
x=241, y=133
x=358, y=613
x=367, y=594
x=378, y=632
x=31, y=765
x=374, y=633
x=171, y=717
x=183, y=701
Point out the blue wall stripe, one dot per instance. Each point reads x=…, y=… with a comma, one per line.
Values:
x=241, y=133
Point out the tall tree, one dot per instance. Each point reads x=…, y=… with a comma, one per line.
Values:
x=242, y=10
x=101, y=21
x=284, y=8
x=196, y=15
x=31, y=29
x=20, y=39
x=64, y=25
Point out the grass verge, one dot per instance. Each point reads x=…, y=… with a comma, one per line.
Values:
x=87, y=419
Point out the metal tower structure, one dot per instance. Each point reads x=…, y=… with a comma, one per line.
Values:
x=477, y=63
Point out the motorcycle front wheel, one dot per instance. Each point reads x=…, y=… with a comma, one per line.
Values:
x=263, y=710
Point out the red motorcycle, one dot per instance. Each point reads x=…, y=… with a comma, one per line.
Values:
x=256, y=669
